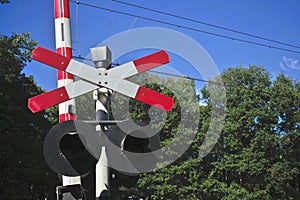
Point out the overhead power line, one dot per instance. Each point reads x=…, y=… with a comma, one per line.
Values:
x=185, y=27
x=158, y=72
x=81, y=58
x=173, y=75
x=184, y=76
x=207, y=24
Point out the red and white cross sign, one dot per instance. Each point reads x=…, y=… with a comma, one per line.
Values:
x=92, y=78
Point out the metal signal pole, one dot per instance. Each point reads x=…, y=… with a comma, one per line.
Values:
x=101, y=56
x=64, y=47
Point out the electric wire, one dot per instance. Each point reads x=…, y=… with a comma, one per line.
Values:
x=81, y=58
x=207, y=24
x=186, y=27
x=175, y=75
x=184, y=76
x=159, y=72
x=221, y=84
x=159, y=21
x=76, y=30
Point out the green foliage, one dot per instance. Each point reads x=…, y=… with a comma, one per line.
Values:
x=52, y=114
x=24, y=173
x=257, y=154
x=85, y=107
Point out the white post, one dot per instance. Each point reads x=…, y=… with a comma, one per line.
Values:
x=101, y=56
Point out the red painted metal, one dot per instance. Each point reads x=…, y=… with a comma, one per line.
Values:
x=48, y=99
x=61, y=11
x=59, y=95
x=154, y=99
x=151, y=61
x=50, y=58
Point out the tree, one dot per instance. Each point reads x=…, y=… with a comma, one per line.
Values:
x=170, y=126
x=252, y=146
x=257, y=155
x=24, y=173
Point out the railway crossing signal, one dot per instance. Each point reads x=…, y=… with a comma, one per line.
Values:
x=66, y=149
x=93, y=78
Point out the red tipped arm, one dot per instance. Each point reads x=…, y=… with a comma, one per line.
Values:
x=48, y=99
x=50, y=58
x=154, y=99
x=92, y=78
x=151, y=61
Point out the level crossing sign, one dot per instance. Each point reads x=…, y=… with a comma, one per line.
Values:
x=92, y=79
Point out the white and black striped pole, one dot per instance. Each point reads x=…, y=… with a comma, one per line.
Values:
x=101, y=56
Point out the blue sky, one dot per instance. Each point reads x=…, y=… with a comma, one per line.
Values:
x=277, y=20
